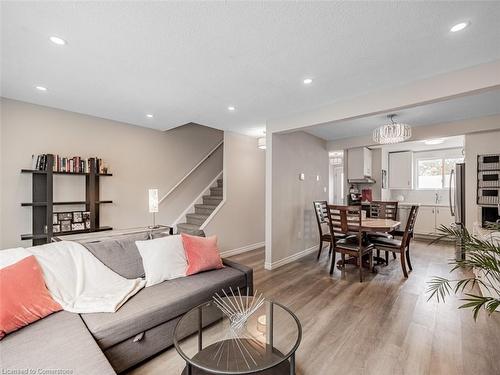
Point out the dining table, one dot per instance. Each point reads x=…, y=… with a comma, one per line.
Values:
x=372, y=225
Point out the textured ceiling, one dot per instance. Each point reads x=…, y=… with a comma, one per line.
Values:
x=188, y=61
x=460, y=108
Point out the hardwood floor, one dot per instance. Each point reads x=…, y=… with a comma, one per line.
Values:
x=381, y=326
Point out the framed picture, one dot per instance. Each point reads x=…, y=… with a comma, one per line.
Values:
x=55, y=220
x=86, y=215
x=65, y=216
x=65, y=225
x=56, y=228
x=77, y=217
x=87, y=224
x=77, y=226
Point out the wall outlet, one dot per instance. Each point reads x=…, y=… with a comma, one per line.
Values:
x=302, y=177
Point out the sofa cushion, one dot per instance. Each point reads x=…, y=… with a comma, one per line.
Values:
x=60, y=341
x=159, y=303
x=120, y=254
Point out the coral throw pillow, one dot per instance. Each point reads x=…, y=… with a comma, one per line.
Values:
x=25, y=298
x=202, y=253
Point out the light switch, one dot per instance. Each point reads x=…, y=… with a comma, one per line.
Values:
x=317, y=177
x=302, y=177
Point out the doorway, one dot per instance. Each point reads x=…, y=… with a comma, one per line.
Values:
x=336, y=183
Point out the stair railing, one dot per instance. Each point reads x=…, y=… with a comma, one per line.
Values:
x=191, y=171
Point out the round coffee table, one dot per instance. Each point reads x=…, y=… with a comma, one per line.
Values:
x=238, y=335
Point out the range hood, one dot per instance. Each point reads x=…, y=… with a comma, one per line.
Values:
x=365, y=180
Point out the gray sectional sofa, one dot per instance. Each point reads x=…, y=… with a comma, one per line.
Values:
x=109, y=343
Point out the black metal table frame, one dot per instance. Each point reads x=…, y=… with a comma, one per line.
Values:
x=290, y=356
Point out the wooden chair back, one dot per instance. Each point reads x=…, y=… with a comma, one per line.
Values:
x=321, y=210
x=344, y=219
x=384, y=210
x=410, y=225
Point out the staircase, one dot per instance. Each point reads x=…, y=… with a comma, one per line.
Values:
x=202, y=211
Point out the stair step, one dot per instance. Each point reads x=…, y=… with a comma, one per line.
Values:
x=196, y=219
x=204, y=209
x=207, y=199
x=188, y=228
x=216, y=192
x=219, y=182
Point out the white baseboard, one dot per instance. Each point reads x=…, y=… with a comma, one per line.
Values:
x=290, y=259
x=241, y=250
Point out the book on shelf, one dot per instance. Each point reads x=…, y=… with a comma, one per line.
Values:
x=74, y=164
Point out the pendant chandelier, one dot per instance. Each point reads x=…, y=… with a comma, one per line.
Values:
x=395, y=132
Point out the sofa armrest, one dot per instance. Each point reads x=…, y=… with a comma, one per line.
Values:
x=248, y=271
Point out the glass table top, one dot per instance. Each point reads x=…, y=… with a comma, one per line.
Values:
x=235, y=334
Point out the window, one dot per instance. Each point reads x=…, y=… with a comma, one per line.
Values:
x=430, y=174
x=433, y=169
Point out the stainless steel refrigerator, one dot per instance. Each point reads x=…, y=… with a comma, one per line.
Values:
x=457, y=203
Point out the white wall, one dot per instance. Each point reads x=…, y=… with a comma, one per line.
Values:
x=476, y=144
x=241, y=218
x=139, y=158
x=294, y=227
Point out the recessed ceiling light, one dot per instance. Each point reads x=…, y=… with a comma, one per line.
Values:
x=433, y=141
x=307, y=81
x=57, y=40
x=149, y=115
x=459, y=26
x=41, y=88
x=231, y=108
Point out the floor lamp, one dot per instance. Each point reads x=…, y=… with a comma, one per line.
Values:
x=153, y=206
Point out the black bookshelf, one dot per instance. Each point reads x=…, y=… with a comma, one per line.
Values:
x=42, y=202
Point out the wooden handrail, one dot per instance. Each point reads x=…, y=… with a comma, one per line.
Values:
x=191, y=171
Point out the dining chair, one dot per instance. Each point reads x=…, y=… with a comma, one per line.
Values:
x=347, y=221
x=320, y=208
x=384, y=210
x=401, y=247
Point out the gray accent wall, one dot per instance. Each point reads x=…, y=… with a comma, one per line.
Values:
x=139, y=158
x=241, y=218
x=293, y=227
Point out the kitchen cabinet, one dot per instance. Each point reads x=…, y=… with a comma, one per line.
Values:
x=430, y=219
x=400, y=170
x=426, y=220
x=359, y=163
x=443, y=217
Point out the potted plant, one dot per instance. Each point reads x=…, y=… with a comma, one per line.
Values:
x=480, y=255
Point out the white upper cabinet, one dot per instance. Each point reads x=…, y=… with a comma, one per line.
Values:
x=359, y=163
x=400, y=170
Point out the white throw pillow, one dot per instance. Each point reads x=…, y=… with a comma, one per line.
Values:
x=11, y=256
x=163, y=259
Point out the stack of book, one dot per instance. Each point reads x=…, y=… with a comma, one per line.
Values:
x=75, y=164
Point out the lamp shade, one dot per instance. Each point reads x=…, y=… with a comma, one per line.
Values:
x=153, y=200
